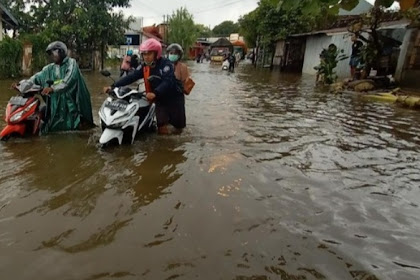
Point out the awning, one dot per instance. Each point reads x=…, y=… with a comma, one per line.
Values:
x=8, y=19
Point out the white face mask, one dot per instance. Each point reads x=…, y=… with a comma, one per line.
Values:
x=173, y=57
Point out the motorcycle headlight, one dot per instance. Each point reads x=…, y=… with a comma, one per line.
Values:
x=117, y=125
x=18, y=116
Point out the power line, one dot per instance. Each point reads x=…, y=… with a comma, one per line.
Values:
x=213, y=4
x=217, y=7
x=156, y=12
x=212, y=7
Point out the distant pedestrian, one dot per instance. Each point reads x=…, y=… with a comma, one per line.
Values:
x=237, y=58
x=134, y=62
x=232, y=60
x=355, y=55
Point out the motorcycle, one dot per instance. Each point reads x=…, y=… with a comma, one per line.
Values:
x=25, y=112
x=124, y=113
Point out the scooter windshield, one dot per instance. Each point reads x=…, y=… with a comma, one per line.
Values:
x=124, y=92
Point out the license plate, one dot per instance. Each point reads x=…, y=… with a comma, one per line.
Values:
x=116, y=105
x=18, y=100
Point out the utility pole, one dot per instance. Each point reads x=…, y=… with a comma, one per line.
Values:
x=166, y=26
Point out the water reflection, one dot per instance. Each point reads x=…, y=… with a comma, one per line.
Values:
x=63, y=166
x=66, y=181
x=152, y=169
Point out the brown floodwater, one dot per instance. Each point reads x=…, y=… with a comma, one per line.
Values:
x=271, y=179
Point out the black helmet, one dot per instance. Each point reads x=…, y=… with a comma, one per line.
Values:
x=177, y=48
x=58, y=45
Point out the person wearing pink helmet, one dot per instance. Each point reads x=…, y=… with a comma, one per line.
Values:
x=165, y=92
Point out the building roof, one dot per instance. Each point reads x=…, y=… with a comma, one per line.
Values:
x=222, y=42
x=150, y=35
x=203, y=42
x=214, y=39
x=7, y=17
x=239, y=43
x=153, y=30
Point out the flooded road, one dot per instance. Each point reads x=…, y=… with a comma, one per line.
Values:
x=272, y=179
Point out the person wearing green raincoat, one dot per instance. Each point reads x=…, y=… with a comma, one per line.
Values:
x=69, y=105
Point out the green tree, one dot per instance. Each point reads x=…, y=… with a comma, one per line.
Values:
x=84, y=25
x=226, y=28
x=182, y=29
x=249, y=27
x=329, y=59
x=266, y=24
x=11, y=57
x=315, y=6
x=203, y=31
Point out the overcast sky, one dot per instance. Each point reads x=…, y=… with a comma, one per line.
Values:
x=210, y=12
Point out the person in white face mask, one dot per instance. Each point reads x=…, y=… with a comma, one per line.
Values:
x=175, y=53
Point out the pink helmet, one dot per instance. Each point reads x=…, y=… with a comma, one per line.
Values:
x=151, y=45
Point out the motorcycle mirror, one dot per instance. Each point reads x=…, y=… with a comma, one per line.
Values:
x=105, y=73
x=50, y=83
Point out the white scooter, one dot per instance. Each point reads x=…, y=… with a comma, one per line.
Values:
x=225, y=65
x=124, y=113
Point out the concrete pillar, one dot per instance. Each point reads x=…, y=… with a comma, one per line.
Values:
x=96, y=60
x=1, y=27
x=27, y=59
x=402, y=58
x=408, y=68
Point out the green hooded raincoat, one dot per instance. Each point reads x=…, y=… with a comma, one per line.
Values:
x=70, y=101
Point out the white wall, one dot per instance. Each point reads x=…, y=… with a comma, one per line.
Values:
x=314, y=46
x=343, y=41
x=121, y=51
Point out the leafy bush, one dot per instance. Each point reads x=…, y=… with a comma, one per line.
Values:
x=11, y=52
x=329, y=59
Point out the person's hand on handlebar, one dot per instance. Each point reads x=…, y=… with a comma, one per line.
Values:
x=150, y=96
x=106, y=90
x=47, y=91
